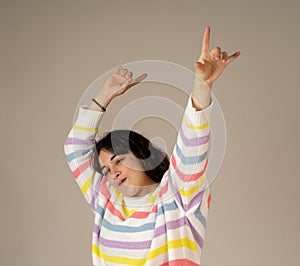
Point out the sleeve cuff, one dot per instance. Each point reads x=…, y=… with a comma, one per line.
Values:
x=88, y=118
x=199, y=116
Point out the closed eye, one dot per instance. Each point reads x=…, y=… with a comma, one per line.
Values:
x=116, y=162
x=106, y=172
x=119, y=160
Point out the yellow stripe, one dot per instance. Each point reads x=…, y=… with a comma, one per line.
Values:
x=87, y=185
x=129, y=212
x=156, y=252
x=86, y=128
x=119, y=195
x=152, y=199
x=190, y=192
x=120, y=199
x=178, y=243
x=126, y=211
x=117, y=260
x=183, y=242
x=194, y=127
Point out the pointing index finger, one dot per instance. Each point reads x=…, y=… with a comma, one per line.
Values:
x=205, y=41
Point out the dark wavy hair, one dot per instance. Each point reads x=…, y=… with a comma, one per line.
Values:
x=154, y=161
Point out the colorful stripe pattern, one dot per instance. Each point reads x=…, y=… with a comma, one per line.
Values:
x=165, y=228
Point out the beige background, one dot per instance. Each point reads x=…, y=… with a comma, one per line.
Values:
x=50, y=53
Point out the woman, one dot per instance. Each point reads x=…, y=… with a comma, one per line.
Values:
x=147, y=211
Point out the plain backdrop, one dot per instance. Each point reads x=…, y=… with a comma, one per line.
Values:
x=51, y=51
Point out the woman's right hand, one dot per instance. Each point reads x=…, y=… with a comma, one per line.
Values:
x=116, y=84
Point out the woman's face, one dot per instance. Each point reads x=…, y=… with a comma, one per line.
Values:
x=125, y=172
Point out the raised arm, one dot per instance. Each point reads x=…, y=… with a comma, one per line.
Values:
x=189, y=159
x=119, y=82
x=208, y=68
x=80, y=144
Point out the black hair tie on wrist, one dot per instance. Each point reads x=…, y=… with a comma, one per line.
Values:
x=103, y=108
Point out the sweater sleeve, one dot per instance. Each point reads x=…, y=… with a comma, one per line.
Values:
x=189, y=159
x=79, y=151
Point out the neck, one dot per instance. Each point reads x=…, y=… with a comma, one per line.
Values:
x=146, y=190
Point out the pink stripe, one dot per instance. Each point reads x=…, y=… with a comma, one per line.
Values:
x=114, y=211
x=143, y=215
x=209, y=201
x=186, y=177
x=104, y=189
x=195, y=200
x=77, y=172
x=78, y=141
x=163, y=190
x=180, y=262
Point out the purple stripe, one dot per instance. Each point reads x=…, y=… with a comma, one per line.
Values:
x=196, y=200
x=78, y=141
x=125, y=244
x=169, y=225
x=95, y=194
x=193, y=141
x=196, y=235
x=96, y=229
x=174, y=189
x=183, y=221
x=177, y=223
x=160, y=231
x=92, y=204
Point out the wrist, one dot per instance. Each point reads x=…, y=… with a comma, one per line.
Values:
x=100, y=102
x=201, y=94
x=103, y=98
x=100, y=106
x=200, y=83
x=209, y=84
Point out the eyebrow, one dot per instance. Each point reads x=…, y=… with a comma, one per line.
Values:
x=112, y=157
x=102, y=167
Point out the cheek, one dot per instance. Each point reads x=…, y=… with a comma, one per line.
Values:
x=138, y=179
x=134, y=165
x=112, y=182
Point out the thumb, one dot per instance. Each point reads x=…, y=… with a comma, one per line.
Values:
x=130, y=83
x=140, y=78
x=137, y=80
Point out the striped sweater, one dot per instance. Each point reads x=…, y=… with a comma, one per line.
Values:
x=165, y=227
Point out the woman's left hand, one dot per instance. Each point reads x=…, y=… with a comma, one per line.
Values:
x=212, y=63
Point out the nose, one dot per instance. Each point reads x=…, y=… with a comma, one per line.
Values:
x=115, y=173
